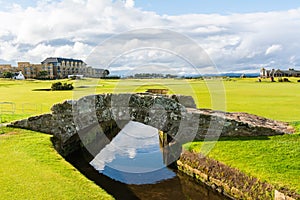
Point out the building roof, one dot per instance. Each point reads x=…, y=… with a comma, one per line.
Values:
x=290, y=71
x=59, y=60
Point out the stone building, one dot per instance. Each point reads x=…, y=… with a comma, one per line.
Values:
x=30, y=70
x=96, y=73
x=287, y=73
x=264, y=73
x=55, y=68
x=62, y=67
x=5, y=68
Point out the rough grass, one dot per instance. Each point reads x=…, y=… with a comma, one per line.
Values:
x=32, y=169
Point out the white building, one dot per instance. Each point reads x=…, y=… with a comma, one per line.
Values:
x=19, y=76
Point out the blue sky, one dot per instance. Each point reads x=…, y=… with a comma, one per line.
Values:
x=237, y=36
x=177, y=7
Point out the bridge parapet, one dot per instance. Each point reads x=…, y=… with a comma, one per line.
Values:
x=75, y=123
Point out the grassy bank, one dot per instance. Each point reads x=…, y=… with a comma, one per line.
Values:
x=32, y=169
x=273, y=159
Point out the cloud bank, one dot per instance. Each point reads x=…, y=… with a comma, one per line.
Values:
x=73, y=28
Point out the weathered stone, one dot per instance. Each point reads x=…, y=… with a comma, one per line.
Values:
x=213, y=186
x=236, y=193
x=175, y=115
x=226, y=188
x=279, y=196
x=186, y=101
x=219, y=190
x=216, y=123
x=200, y=176
x=216, y=181
x=289, y=198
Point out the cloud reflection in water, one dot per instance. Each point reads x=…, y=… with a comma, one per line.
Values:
x=133, y=156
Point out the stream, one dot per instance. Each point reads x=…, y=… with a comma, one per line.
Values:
x=132, y=166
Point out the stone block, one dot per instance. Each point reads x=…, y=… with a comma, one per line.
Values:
x=278, y=195
x=236, y=193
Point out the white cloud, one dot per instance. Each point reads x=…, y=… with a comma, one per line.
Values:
x=9, y=50
x=129, y=3
x=133, y=137
x=41, y=51
x=273, y=49
x=73, y=28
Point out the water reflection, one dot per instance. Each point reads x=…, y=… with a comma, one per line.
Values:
x=131, y=167
x=133, y=156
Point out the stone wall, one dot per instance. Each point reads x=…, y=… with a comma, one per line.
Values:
x=75, y=123
x=237, y=124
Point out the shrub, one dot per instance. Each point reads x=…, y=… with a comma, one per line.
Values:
x=8, y=75
x=60, y=86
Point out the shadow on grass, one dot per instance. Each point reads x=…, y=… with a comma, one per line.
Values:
x=246, y=138
x=45, y=89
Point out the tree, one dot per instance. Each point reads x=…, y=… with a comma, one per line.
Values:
x=105, y=73
x=43, y=74
x=60, y=86
x=8, y=75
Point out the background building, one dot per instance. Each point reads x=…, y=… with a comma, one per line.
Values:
x=30, y=70
x=287, y=73
x=62, y=67
x=55, y=68
x=6, y=68
x=279, y=73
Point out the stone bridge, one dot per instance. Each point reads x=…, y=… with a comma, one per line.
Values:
x=94, y=120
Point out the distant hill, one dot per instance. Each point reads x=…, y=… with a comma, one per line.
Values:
x=239, y=74
x=226, y=74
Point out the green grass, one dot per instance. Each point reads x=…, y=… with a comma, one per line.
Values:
x=32, y=169
x=5, y=118
x=296, y=125
x=273, y=159
x=278, y=101
x=25, y=100
x=272, y=100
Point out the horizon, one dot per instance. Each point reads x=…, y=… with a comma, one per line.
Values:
x=228, y=73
